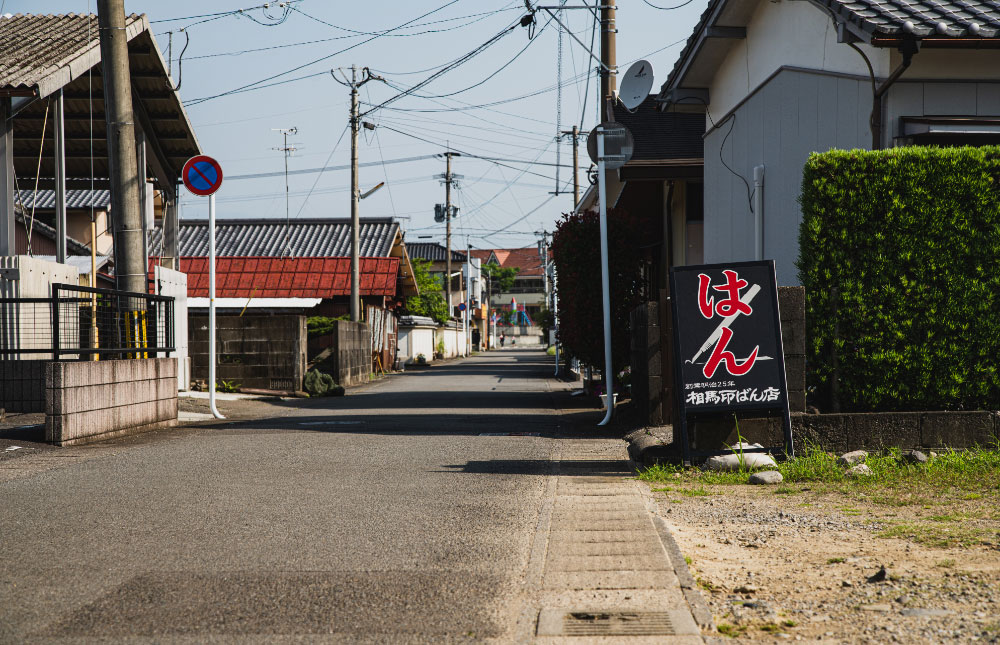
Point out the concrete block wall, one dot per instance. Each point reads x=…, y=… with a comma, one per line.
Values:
x=93, y=400
x=352, y=352
x=264, y=352
x=416, y=336
x=22, y=386
x=792, y=307
x=647, y=363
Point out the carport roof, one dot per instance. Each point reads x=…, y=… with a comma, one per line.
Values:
x=42, y=54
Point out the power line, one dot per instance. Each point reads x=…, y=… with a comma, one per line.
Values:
x=320, y=59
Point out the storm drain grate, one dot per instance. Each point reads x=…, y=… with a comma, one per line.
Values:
x=611, y=623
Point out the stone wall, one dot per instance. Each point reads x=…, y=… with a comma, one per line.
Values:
x=93, y=400
x=22, y=385
x=263, y=352
x=351, y=360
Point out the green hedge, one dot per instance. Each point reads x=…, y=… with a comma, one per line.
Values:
x=899, y=251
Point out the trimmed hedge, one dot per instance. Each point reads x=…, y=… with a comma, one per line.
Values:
x=899, y=249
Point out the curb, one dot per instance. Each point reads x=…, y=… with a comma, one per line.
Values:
x=696, y=603
x=646, y=448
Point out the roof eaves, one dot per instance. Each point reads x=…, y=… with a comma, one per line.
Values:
x=693, y=46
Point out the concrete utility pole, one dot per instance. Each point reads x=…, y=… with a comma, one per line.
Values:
x=355, y=121
x=130, y=250
x=575, y=134
x=609, y=81
x=448, y=179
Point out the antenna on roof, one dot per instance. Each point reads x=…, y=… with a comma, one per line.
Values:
x=636, y=83
x=287, y=150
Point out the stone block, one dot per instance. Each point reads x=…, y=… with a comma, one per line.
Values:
x=795, y=373
x=796, y=401
x=792, y=303
x=828, y=431
x=793, y=337
x=876, y=431
x=957, y=429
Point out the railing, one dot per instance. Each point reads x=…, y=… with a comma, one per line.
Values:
x=84, y=323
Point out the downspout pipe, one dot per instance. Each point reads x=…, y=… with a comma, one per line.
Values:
x=907, y=49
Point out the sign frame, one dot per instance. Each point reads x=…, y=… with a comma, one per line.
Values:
x=190, y=164
x=771, y=309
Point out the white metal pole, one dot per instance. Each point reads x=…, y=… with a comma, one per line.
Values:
x=605, y=277
x=211, y=308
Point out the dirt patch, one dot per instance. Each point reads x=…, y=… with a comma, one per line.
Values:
x=802, y=562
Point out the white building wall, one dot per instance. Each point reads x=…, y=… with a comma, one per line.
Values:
x=174, y=284
x=787, y=32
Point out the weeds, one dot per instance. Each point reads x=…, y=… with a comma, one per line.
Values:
x=836, y=560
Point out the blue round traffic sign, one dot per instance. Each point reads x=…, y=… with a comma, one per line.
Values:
x=461, y=306
x=202, y=175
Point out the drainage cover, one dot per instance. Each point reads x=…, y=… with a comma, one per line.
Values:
x=606, y=623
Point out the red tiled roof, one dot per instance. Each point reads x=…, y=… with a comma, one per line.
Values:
x=264, y=277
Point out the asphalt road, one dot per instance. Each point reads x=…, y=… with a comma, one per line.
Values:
x=382, y=516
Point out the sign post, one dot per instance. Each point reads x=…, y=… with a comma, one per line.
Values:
x=728, y=354
x=202, y=175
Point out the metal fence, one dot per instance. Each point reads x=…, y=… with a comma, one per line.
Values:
x=84, y=323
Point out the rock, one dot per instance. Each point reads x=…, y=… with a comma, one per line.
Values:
x=926, y=613
x=852, y=458
x=861, y=470
x=880, y=576
x=750, y=460
x=766, y=477
x=913, y=457
x=846, y=583
x=879, y=608
x=745, y=589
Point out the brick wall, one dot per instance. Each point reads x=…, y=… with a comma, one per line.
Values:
x=94, y=400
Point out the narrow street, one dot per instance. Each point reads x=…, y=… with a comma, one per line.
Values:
x=399, y=513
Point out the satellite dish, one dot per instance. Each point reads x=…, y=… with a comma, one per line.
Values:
x=636, y=83
x=618, y=145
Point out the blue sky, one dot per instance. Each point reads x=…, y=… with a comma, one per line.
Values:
x=501, y=205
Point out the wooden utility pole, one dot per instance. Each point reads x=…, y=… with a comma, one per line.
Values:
x=130, y=249
x=609, y=82
x=447, y=218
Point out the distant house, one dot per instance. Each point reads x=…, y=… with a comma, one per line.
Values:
x=529, y=290
x=661, y=185
x=303, y=267
x=779, y=79
x=51, y=79
x=437, y=255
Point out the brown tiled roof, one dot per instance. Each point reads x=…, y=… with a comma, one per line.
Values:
x=526, y=260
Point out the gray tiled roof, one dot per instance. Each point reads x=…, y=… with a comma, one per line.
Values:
x=432, y=251
x=266, y=237
x=49, y=51
x=75, y=198
x=922, y=18
x=971, y=19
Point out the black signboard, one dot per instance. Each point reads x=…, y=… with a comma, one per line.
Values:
x=727, y=342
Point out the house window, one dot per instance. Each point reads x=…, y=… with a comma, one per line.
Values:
x=948, y=131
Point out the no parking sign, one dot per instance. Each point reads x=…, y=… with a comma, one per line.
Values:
x=202, y=175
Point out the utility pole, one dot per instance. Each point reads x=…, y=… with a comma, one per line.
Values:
x=355, y=121
x=287, y=250
x=448, y=179
x=609, y=82
x=130, y=250
x=575, y=134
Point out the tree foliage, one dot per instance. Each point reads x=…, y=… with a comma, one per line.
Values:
x=576, y=252
x=897, y=251
x=501, y=278
x=431, y=301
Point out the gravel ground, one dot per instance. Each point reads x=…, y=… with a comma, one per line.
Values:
x=805, y=567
